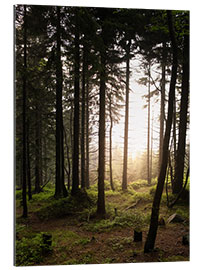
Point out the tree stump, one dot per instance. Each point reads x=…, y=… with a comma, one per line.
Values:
x=137, y=236
x=185, y=240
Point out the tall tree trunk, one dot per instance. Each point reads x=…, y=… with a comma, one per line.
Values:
x=40, y=146
x=110, y=144
x=162, y=105
x=125, y=153
x=37, y=149
x=24, y=196
x=76, y=125
x=174, y=132
x=180, y=157
x=148, y=128
x=151, y=237
x=60, y=189
x=101, y=162
x=151, y=158
x=87, y=136
x=68, y=158
x=28, y=164
x=45, y=160
x=84, y=70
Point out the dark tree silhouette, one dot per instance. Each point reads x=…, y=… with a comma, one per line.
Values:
x=101, y=172
x=151, y=237
x=87, y=136
x=180, y=157
x=76, y=125
x=60, y=189
x=162, y=103
x=125, y=154
x=24, y=196
x=110, y=142
x=148, y=125
x=84, y=71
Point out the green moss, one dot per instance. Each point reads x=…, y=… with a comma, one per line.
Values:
x=125, y=219
x=175, y=258
x=31, y=251
x=119, y=243
x=71, y=205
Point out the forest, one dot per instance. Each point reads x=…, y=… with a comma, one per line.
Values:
x=102, y=147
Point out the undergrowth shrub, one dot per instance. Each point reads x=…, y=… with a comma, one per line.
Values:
x=71, y=205
x=31, y=251
x=125, y=219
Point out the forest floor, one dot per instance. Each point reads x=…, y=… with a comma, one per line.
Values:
x=80, y=237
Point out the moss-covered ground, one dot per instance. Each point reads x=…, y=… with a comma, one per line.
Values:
x=80, y=237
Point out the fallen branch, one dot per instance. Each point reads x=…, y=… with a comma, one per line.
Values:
x=133, y=205
x=45, y=184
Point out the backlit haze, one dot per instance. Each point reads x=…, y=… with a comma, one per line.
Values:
x=137, y=132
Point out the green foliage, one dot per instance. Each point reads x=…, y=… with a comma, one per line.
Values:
x=65, y=206
x=152, y=190
x=18, y=194
x=85, y=258
x=174, y=258
x=19, y=228
x=31, y=251
x=125, y=219
x=119, y=243
x=67, y=236
x=183, y=212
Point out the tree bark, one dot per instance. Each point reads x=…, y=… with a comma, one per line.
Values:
x=87, y=136
x=151, y=158
x=125, y=151
x=28, y=164
x=68, y=158
x=101, y=162
x=24, y=196
x=45, y=160
x=60, y=189
x=174, y=132
x=148, y=128
x=151, y=237
x=110, y=145
x=180, y=157
x=76, y=125
x=37, y=147
x=162, y=105
x=83, y=174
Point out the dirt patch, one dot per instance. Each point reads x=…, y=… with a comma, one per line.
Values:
x=116, y=246
x=75, y=243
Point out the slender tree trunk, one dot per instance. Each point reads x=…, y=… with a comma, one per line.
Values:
x=148, y=129
x=174, y=132
x=24, y=196
x=162, y=106
x=76, y=126
x=87, y=136
x=71, y=133
x=151, y=237
x=125, y=154
x=68, y=158
x=83, y=175
x=101, y=166
x=151, y=158
x=60, y=189
x=45, y=160
x=180, y=158
x=37, y=149
x=28, y=164
x=110, y=145
x=40, y=147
